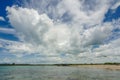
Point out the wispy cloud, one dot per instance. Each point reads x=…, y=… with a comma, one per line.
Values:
x=117, y=4
x=7, y=30
x=2, y=19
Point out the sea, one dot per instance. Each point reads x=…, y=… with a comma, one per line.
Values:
x=56, y=73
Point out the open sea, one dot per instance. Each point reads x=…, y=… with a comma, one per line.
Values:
x=56, y=73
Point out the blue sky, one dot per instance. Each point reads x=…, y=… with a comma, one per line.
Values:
x=45, y=31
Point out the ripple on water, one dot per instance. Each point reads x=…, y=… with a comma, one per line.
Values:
x=56, y=73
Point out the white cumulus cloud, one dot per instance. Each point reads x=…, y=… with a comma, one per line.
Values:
x=52, y=36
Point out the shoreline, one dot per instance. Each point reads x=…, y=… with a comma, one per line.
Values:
x=97, y=66
x=108, y=67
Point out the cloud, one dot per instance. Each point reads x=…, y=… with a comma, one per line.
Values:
x=14, y=47
x=7, y=30
x=20, y=50
x=82, y=11
x=42, y=32
x=116, y=5
x=2, y=19
x=66, y=41
x=85, y=11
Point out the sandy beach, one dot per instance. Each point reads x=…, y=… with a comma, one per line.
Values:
x=109, y=67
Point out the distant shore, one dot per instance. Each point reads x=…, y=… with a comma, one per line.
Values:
x=109, y=66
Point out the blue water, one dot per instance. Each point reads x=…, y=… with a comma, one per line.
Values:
x=56, y=73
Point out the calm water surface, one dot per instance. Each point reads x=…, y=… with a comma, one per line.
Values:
x=56, y=73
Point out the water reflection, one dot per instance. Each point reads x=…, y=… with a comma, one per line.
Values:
x=56, y=73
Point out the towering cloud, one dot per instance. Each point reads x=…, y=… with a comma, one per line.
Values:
x=68, y=30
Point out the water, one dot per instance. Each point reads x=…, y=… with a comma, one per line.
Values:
x=56, y=73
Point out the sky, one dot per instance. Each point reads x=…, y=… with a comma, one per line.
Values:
x=59, y=31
